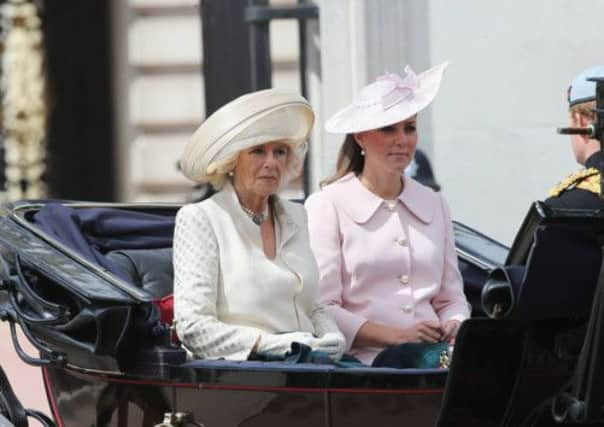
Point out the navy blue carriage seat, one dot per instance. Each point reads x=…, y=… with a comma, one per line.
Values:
x=134, y=245
x=149, y=269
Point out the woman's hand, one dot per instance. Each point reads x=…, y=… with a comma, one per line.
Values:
x=333, y=343
x=378, y=335
x=450, y=329
x=426, y=331
x=279, y=344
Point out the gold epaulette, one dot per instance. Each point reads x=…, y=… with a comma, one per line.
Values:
x=586, y=179
x=591, y=183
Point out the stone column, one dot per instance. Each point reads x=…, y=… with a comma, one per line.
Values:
x=342, y=70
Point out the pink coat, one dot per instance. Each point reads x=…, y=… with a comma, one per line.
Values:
x=394, y=265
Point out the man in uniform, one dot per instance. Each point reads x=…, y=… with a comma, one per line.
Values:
x=581, y=190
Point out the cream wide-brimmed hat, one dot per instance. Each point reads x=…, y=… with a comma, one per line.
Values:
x=256, y=118
x=388, y=100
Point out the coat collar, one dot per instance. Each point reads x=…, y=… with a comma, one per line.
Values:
x=288, y=226
x=418, y=199
x=594, y=160
x=285, y=218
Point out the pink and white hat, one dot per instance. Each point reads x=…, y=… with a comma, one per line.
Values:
x=388, y=100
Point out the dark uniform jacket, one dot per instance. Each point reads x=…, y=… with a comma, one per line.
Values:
x=580, y=190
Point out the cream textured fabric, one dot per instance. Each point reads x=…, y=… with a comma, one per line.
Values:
x=228, y=295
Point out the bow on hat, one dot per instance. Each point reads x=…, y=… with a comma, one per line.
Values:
x=403, y=88
x=390, y=99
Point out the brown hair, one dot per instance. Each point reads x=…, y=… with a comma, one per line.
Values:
x=350, y=159
x=584, y=109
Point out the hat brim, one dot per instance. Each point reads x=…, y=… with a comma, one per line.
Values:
x=358, y=118
x=253, y=119
x=289, y=124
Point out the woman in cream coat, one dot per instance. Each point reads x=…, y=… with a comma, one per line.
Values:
x=245, y=277
x=384, y=242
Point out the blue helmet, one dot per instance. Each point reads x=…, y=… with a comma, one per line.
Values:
x=583, y=90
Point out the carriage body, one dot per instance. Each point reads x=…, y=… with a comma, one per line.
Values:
x=108, y=359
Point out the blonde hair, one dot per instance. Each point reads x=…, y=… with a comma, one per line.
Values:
x=222, y=169
x=257, y=118
x=295, y=162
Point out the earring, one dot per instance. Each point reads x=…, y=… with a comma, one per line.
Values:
x=362, y=152
x=230, y=173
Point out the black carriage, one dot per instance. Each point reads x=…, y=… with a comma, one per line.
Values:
x=84, y=282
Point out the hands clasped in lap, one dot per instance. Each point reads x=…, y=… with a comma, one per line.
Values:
x=332, y=343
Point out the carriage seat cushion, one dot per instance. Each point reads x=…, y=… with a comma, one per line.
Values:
x=150, y=269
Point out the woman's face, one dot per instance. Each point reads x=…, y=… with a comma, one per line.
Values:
x=259, y=169
x=390, y=148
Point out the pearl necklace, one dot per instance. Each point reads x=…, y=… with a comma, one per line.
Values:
x=390, y=204
x=258, y=218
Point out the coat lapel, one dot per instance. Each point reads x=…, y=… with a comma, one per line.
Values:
x=349, y=189
x=228, y=201
x=286, y=222
x=421, y=201
x=288, y=227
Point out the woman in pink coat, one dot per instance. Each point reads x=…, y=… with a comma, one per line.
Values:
x=384, y=242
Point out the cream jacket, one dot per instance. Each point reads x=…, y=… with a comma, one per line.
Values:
x=227, y=293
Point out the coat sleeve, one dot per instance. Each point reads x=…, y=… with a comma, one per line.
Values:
x=196, y=269
x=322, y=321
x=326, y=244
x=450, y=302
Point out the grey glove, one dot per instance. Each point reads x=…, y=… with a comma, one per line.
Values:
x=279, y=344
x=333, y=343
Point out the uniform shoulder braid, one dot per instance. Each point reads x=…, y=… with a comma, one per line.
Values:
x=586, y=179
